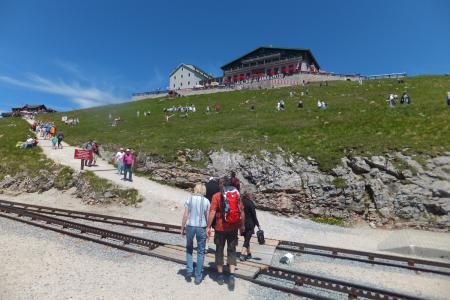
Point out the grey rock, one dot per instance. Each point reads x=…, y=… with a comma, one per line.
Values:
x=441, y=188
x=441, y=161
x=358, y=165
x=435, y=208
x=109, y=194
x=406, y=212
x=380, y=162
x=7, y=182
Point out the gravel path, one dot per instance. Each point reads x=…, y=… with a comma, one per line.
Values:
x=424, y=285
x=39, y=264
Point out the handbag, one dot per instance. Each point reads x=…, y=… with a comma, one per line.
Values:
x=260, y=236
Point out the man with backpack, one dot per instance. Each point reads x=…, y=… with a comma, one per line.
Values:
x=228, y=209
x=235, y=181
x=60, y=136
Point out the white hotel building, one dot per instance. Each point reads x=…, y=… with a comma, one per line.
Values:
x=186, y=77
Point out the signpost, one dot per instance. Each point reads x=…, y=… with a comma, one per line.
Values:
x=83, y=154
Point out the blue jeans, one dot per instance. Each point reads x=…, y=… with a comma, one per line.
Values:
x=200, y=234
x=128, y=168
x=119, y=167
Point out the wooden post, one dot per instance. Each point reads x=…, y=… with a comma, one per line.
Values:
x=82, y=164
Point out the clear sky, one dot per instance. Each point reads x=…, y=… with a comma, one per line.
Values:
x=72, y=54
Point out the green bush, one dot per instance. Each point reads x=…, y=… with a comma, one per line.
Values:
x=330, y=221
x=64, y=178
x=339, y=182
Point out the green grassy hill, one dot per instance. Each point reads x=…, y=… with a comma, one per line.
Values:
x=358, y=121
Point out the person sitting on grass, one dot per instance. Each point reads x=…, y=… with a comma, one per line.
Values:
x=300, y=104
x=29, y=143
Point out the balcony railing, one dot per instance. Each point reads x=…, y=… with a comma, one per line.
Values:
x=270, y=64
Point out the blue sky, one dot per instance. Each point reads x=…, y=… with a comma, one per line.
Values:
x=72, y=54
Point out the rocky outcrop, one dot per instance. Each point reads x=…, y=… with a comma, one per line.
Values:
x=61, y=179
x=394, y=190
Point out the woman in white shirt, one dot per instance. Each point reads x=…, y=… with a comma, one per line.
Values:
x=119, y=161
x=194, y=221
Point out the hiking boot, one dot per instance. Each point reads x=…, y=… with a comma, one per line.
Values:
x=242, y=257
x=220, y=279
x=198, y=281
x=248, y=256
x=188, y=276
x=231, y=283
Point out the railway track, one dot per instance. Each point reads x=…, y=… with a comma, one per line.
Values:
x=293, y=282
x=414, y=264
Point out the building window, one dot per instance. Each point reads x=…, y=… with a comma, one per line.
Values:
x=181, y=75
x=174, y=85
x=175, y=77
x=189, y=83
x=189, y=74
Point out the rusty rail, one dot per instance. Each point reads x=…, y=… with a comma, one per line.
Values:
x=94, y=217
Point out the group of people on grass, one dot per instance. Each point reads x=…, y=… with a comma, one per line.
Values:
x=393, y=99
x=218, y=204
x=322, y=104
x=179, y=108
x=125, y=162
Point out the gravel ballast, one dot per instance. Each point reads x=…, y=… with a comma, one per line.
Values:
x=39, y=264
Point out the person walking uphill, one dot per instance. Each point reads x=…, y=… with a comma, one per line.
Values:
x=235, y=181
x=128, y=162
x=250, y=222
x=228, y=209
x=196, y=211
x=119, y=161
x=60, y=136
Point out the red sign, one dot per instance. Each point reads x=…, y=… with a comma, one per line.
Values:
x=83, y=154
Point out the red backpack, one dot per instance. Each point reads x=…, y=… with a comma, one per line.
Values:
x=231, y=201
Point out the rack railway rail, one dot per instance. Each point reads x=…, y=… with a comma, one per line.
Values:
x=268, y=276
x=410, y=263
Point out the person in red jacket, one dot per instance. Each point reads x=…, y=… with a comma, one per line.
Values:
x=235, y=181
x=224, y=233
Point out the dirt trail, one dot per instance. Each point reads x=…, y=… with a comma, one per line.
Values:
x=166, y=199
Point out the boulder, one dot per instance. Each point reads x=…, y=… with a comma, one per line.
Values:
x=7, y=182
x=358, y=165
x=441, y=188
x=441, y=161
